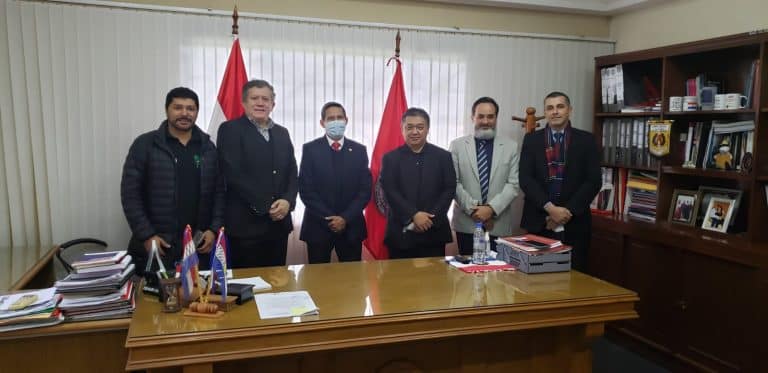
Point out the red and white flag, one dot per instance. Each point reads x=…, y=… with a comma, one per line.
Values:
x=229, y=103
x=390, y=137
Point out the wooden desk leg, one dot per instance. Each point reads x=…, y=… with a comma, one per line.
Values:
x=199, y=368
x=583, y=357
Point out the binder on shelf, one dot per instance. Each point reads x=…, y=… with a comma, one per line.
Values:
x=604, y=89
x=611, y=73
x=619, y=88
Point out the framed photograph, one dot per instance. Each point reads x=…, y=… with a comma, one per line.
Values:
x=684, y=206
x=718, y=214
x=706, y=193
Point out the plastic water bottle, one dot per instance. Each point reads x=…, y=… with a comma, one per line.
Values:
x=478, y=245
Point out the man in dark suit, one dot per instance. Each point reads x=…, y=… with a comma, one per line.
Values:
x=260, y=169
x=560, y=176
x=419, y=183
x=335, y=186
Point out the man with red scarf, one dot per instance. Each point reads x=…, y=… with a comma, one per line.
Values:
x=560, y=175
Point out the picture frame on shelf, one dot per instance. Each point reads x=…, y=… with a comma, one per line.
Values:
x=706, y=193
x=718, y=214
x=684, y=207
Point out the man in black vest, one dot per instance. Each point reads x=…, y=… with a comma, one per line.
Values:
x=171, y=180
x=261, y=176
x=419, y=183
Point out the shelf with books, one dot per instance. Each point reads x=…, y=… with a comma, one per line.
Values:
x=707, y=173
x=725, y=240
x=638, y=114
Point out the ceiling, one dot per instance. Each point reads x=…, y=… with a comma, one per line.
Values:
x=598, y=7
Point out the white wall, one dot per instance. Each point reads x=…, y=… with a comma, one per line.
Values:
x=679, y=21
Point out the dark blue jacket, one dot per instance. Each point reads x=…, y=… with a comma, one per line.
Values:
x=318, y=189
x=412, y=187
x=257, y=173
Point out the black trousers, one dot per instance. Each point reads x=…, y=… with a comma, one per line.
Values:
x=580, y=243
x=416, y=252
x=466, y=243
x=259, y=251
x=320, y=251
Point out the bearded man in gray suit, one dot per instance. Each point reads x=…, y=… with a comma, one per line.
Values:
x=486, y=178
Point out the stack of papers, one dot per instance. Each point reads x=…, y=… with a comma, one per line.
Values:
x=98, y=259
x=29, y=309
x=533, y=244
x=81, y=307
x=285, y=304
x=100, y=288
x=257, y=282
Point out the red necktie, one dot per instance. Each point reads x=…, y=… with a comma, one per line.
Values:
x=335, y=146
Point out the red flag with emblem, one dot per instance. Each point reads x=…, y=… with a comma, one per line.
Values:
x=390, y=137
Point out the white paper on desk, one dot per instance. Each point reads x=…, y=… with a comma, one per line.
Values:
x=285, y=304
x=257, y=282
x=208, y=273
x=43, y=296
x=450, y=260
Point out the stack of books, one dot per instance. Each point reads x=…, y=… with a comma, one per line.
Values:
x=29, y=309
x=99, y=287
x=641, y=196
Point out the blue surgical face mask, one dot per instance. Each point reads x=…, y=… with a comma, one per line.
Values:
x=335, y=129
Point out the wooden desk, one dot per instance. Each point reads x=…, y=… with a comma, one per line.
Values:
x=92, y=346
x=397, y=315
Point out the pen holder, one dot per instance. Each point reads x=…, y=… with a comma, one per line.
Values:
x=169, y=294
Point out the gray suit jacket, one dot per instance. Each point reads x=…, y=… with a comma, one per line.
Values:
x=502, y=189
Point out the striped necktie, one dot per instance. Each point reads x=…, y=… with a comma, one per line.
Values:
x=483, y=168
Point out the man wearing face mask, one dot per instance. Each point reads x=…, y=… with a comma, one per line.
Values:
x=486, y=178
x=335, y=186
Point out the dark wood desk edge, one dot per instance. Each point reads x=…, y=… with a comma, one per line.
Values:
x=36, y=270
x=159, y=351
x=70, y=328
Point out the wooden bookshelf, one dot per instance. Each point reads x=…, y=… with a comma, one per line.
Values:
x=705, y=173
x=692, y=279
x=707, y=112
x=640, y=114
x=639, y=168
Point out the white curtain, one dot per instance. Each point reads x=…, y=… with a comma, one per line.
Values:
x=80, y=82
